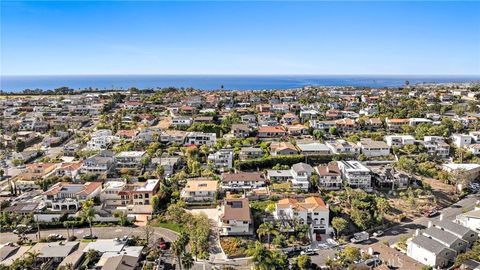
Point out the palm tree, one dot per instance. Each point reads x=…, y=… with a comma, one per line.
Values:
x=177, y=250
x=267, y=229
x=187, y=260
x=31, y=258
x=88, y=213
x=261, y=257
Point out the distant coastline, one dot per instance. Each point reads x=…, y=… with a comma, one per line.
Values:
x=215, y=82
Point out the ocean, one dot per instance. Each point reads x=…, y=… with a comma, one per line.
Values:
x=214, y=82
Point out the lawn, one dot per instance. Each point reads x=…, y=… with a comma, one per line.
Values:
x=171, y=226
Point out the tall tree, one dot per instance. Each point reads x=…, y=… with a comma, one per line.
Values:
x=267, y=228
x=339, y=224
x=88, y=213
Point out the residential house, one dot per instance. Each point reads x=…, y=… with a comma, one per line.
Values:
x=223, y=158
x=202, y=190
x=346, y=125
x=250, y=153
x=430, y=252
x=129, y=159
x=110, y=194
x=240, y=131
x=271, y=131
x=371, y=148
x=355, y=174
x=313, y=148
x=282, y=149
x=235, y=218
x=98, y=164
x=64, y=196
x=289, y=119
x=461, y=140
x=200, y=138
x=399, y=140
x=242, y=181
x=301, y=173
x=467, y=172
x=297, y=130
x=311, y=210
x=387, y=176
x=395, y=124
x=329, y=176
x=182, y=121
x=344, y=147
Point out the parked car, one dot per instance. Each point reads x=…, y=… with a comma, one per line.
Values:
x=162, y=244
x=431, y=213
x=55, y=237
x=360, y=237
x=21, y=229
x=308, y=251
x=378, y=233
x=90, y=236
x=332, y=242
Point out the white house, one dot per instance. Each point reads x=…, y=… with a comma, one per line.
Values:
x=223, y=158
x=312, y=211
x=200, y=138
x=461, y=140
x=343, y=147
x=371, y=148
x=110, y=195
x=242, y=181
x=355, y=174
x=199, y=190
x=430, y=252
x=399, y=140
x=470, y=219
x=182, y=121
x=301, y=173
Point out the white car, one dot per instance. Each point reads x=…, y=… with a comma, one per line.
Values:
x=332, y=242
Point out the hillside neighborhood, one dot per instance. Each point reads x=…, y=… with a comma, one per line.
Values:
x=172, y=178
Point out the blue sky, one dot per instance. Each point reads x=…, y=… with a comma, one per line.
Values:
x=154, y=37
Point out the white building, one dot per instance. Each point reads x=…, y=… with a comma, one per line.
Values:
x=301, y=173
x=312, y=211
x=101, y=139
x=470, y=219
x=202, y=190
x=200, y=138
x=110, y=195
x=355, y=174
x=371, y=148
x=461, y=140
x=399, y=140
x=182, y=121
x=129, y=159
x=343, y=147
x=430, y=252
x=223, y=158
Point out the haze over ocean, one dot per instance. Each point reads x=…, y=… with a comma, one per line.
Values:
x=213, y=82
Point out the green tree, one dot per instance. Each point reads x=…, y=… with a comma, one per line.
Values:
x=122, y=217
x=88, y=213
x=262, y=258
x=339, y=224
x=304, y=262
x=268, y=229
x=187, y=260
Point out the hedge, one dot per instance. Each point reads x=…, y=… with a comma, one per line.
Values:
x=270, y=161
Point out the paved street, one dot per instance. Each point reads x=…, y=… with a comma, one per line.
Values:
x=394, y=234
x=101, y=232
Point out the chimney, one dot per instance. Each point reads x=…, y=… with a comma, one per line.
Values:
x=441, y=217
x=417, y=232
x=429, y=224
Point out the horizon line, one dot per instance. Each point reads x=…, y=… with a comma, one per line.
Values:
x=235, y=74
